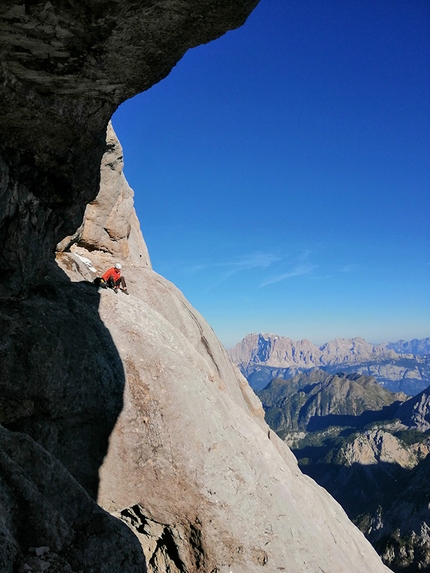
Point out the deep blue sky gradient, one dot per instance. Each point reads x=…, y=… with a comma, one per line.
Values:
x=282, y=172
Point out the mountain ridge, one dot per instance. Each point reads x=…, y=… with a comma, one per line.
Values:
x=262, y=357
x=298, y=404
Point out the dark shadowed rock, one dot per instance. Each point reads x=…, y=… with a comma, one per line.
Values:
x=401, y=532
x=41, y=506
x=66, y=66
x=62, y=379
x=415, y=413
x=65, y=69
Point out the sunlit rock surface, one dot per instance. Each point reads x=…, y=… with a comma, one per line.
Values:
x=263, y=357
x=191, y=466
x=110, y=222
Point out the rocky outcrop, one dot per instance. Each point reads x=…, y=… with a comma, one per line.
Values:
x=415, y=413
x=417, y=346
x=372, y=447
x=110, y=222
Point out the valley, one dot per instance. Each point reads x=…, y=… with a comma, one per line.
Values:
x=368, y=447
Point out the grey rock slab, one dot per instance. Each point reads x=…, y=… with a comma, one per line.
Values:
x=191, y=450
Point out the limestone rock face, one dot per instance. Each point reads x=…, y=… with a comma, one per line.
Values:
x=282, y=352
x=110, y=222
x=375, y=446
x=191, y=467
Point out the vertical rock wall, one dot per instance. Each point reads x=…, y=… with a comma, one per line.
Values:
x=65, y=67
x=191, y=466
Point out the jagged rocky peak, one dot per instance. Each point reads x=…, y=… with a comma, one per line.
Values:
x=415, y=413
x=349, y=349
x=274, y=350
x=110, y=223
x=417, y=346
x=281, y=351
x=262, y=357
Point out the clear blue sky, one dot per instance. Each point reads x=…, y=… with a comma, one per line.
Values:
x=282, y=172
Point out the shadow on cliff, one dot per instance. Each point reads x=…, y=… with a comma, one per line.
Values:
x=319, y=423
x=62, y=378
x=61, y=385
x=359, y=488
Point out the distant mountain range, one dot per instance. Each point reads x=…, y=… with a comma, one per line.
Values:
x=369, y=448
x=398, y=366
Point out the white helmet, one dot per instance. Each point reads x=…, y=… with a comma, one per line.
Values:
x=118, y=266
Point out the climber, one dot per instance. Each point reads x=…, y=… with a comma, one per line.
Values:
x=112, y=278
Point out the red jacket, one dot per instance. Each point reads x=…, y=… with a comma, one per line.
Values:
x=113, y=272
